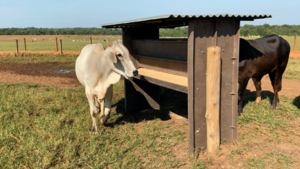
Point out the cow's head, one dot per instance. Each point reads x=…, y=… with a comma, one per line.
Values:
x=121, y=58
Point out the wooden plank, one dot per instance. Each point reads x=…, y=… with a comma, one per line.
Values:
x=24, y=44
x=205, y=34
x=228, y=40
x=191, y=86
x=56, y=44
x=162, y=83
x=168, y=66
x=167, y=77
x=202, y=34
x=213, y=98
x=17, y=46
x=173, y=49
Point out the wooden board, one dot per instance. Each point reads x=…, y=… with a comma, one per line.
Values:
x=167, y=77
x=228, y=40
x=201, y=36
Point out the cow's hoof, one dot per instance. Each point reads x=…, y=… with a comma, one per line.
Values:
x=258, y=99
x=273, y=108
x=95, y=131
x=103, y=120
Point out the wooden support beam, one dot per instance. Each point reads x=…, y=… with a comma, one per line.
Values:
x=56, y=44
x=24, y=44
x=60, y=43
x=213, y=98
x=295, y=44
x=17, y=46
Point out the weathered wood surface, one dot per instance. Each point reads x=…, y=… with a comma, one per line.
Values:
x=213, y=98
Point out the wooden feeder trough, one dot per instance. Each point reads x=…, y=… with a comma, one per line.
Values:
x=180, y=64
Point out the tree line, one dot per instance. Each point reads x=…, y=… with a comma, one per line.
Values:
x=256, y=30
x=59, y=31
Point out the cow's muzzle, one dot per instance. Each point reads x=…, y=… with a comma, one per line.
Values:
x=135, y=72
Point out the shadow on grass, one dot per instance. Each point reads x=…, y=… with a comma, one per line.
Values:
x=296, y=102
x=170, y=101
x=251, y=97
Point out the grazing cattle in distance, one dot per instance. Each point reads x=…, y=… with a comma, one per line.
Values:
x=98, y=69
x=266, y=55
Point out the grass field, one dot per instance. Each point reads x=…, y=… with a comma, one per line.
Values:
x=50, y=127
x=72, y=43
x=79, y=42
x=289, y=39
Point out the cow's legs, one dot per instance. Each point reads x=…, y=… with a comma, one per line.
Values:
x=257, y=84
x=107, y=100
x=276, y=83
x=242, y=89
x=93, y=108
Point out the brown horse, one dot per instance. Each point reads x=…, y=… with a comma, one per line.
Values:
x=269, y=54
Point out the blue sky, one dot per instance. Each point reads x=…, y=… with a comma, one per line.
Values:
x=92, y=13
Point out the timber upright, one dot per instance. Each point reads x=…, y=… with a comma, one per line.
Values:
x=162, y=62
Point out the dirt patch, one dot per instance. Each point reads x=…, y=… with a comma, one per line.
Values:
x=49, y=73
x=290, y=87
x=36, y=53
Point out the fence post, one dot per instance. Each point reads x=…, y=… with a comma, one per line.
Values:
x=17, y=46
x=248, y=36
x=295, y=44
x=90, y=40
x=56, y=44
x=24, y=44
x=60, y=43
x=213, y=98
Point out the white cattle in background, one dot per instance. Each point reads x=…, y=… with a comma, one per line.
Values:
x=98, y=69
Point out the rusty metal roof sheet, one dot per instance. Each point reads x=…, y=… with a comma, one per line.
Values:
x=179, y=20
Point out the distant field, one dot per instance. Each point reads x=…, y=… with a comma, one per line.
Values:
x=34, y=42
x=290, y=40
x=40, y=43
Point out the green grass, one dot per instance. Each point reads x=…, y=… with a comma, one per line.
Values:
x=289, y=39
x=292, y=70
x=49, y=44
x=44, y=127
x=50, y=127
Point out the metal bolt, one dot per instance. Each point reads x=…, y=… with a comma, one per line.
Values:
x=197, y=88
x=203, y=52
x=226, y=84
x=223, y=50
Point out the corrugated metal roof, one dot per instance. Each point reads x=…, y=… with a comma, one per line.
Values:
x=179, y=19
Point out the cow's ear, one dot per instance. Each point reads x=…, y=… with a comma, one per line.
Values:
x=113, y=58
x=108, y=43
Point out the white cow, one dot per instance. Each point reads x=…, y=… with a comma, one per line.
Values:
x=98, y=69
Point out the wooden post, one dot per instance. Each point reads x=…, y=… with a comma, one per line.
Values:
x=90, y=40
x=24, y=44
x=248, y=36
x=17, y=47
x=295, y=44
x=60, y=44
x=56, y=44
x=213, y=98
